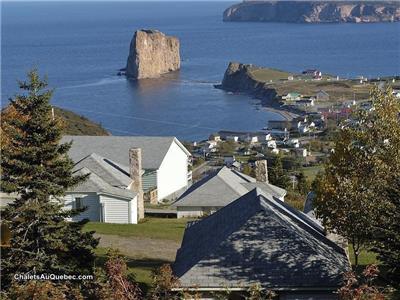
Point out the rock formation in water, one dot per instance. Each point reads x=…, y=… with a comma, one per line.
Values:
x=151, y=54
x=314, y=11
x=238, y=79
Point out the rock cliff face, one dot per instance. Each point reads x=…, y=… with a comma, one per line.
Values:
x=314, y=11
x=238, y=79
x=151, y=54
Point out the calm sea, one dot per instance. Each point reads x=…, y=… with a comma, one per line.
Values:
x=81, y=45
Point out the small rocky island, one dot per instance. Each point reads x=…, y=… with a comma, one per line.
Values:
x=151, y=54
x=314, y=11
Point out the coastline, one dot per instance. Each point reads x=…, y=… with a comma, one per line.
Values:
x=284, y=113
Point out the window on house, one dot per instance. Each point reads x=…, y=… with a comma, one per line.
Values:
x=78, y=203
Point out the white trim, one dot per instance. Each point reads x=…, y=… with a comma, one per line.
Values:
x=181, y=146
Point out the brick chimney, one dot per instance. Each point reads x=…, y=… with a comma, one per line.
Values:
x=262, y=171
x=135, y=172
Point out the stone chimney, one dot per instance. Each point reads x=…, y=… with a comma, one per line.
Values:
x=135, y=171
x=261, y=171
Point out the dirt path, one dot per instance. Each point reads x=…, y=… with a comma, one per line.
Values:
x=140, y=247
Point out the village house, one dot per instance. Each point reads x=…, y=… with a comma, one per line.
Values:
x=305, y=102
x=292, y=96
x=112, y=193
x=271, y=144
x=312, y=73
x=209, y=147
x=165, y=161
x=221, y=188
x=258, y=239
x=215, y=137
x=321, y=95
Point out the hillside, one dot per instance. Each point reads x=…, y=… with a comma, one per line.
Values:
x=79, y=125
x=314, y=11
x=74, y=124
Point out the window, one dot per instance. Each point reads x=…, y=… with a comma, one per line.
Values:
x=78, y=203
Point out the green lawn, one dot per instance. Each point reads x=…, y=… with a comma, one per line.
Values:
x=156, y=228
x=141, y=268
x=311, y=172
x=267, y=74
x=365, y=257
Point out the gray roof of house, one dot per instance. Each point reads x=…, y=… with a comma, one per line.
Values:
x=116, y=148
x=222, y=187
x=258, y=239
x=96, y=184
x=111, y=172
x=309, y=208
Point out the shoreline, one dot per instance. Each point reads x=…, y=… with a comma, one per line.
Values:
x=285, y=114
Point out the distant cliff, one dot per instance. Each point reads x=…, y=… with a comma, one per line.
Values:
x=314, y=11
x=151, y=54
x=238, y=79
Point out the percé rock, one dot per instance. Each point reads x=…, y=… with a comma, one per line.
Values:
x=314, y=11
x=238, y=79
x=151, y=54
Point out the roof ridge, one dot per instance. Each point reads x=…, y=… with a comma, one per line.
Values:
x=226, y=231
x=312, y=229
x=225, y=169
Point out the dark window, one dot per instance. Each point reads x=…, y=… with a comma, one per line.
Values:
x=78, y=203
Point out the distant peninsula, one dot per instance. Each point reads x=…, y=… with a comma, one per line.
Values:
x=151, y=54
x=272, y=85
x=314, y=11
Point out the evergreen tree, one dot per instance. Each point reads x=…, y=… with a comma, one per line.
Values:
x=36, y=167
x=277, y=174
x=302, y=185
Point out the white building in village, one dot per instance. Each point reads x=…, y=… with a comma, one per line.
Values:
x=122, y=169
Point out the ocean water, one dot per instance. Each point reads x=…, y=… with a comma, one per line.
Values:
x=81, y=46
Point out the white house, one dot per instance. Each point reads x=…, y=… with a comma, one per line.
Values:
x=165, y=160
x=107, y=193
x=271, y=144
x=234, y=138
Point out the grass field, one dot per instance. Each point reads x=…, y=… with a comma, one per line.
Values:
x=311, y=172
x=162, y=231
x=365, y=258
x=337, y=90
x=155, y=228
x=140, y=268
x=267, y=74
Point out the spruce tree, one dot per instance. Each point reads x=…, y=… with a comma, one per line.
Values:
x=277, y=174
x=36, y=167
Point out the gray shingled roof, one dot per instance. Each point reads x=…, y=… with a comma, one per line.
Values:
x=258, y=239
x=96, y=184
x=111, y=172
x=116, y=148
x=222, y=187
x=309, y=207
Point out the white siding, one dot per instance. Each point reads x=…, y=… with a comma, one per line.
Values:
x=172, y=175
x=189, y=212
x=195, y=211
x=118, y=210
x=91, y=200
